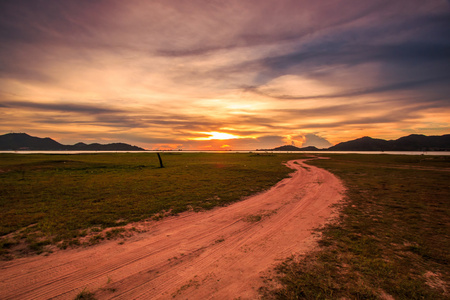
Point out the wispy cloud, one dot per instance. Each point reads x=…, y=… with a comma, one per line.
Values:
x=61, y=107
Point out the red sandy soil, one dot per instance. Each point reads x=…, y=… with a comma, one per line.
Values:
x=217, y=254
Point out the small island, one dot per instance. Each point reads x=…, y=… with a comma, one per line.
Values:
x=291, y=148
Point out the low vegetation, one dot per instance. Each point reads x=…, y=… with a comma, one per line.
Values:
x=85, y=295
x=391, y=241
x=70, y=200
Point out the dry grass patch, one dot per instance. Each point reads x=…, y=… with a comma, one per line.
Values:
x=391, y=236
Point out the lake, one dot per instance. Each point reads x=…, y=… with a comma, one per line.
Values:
x=238, y=151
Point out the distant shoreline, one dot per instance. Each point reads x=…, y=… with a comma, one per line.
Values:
x=430, y=153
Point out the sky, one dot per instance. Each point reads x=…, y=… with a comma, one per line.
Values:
x=224, y=75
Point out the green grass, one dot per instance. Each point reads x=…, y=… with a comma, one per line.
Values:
x=56, y=199
x=392, y=238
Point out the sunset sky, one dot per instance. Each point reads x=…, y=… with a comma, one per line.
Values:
x=224, y=74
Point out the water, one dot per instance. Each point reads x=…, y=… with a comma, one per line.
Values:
x=446, y=153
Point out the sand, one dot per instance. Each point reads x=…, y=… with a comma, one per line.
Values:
x=218, y=254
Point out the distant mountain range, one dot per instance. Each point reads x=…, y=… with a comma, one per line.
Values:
x=413, y=142
x=23, y=141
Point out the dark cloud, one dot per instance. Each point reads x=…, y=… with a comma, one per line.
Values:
x=352, y=112
x=255, y=23
x=411, y=51
x=362, y=122
x=398, y=86
x=28, y=22
x=175, y=28
x=338, y=53
x=61, y=107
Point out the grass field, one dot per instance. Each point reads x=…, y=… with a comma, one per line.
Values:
x=58, y=199
x=392, y=238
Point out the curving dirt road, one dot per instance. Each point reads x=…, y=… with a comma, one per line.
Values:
x=218, y=254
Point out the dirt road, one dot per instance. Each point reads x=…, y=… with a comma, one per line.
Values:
x=218, y=254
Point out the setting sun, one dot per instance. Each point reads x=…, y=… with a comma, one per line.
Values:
x=215, y=135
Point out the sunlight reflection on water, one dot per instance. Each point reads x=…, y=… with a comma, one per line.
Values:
x=237, y=151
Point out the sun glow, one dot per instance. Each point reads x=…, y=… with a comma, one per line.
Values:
x=215, y=135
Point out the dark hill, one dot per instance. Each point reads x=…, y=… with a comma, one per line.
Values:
x=362, y=144
x=23, y=141
x=413, y=142
x=291, y=148
x=417, y=142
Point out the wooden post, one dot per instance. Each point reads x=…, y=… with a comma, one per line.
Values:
x=160, y=161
